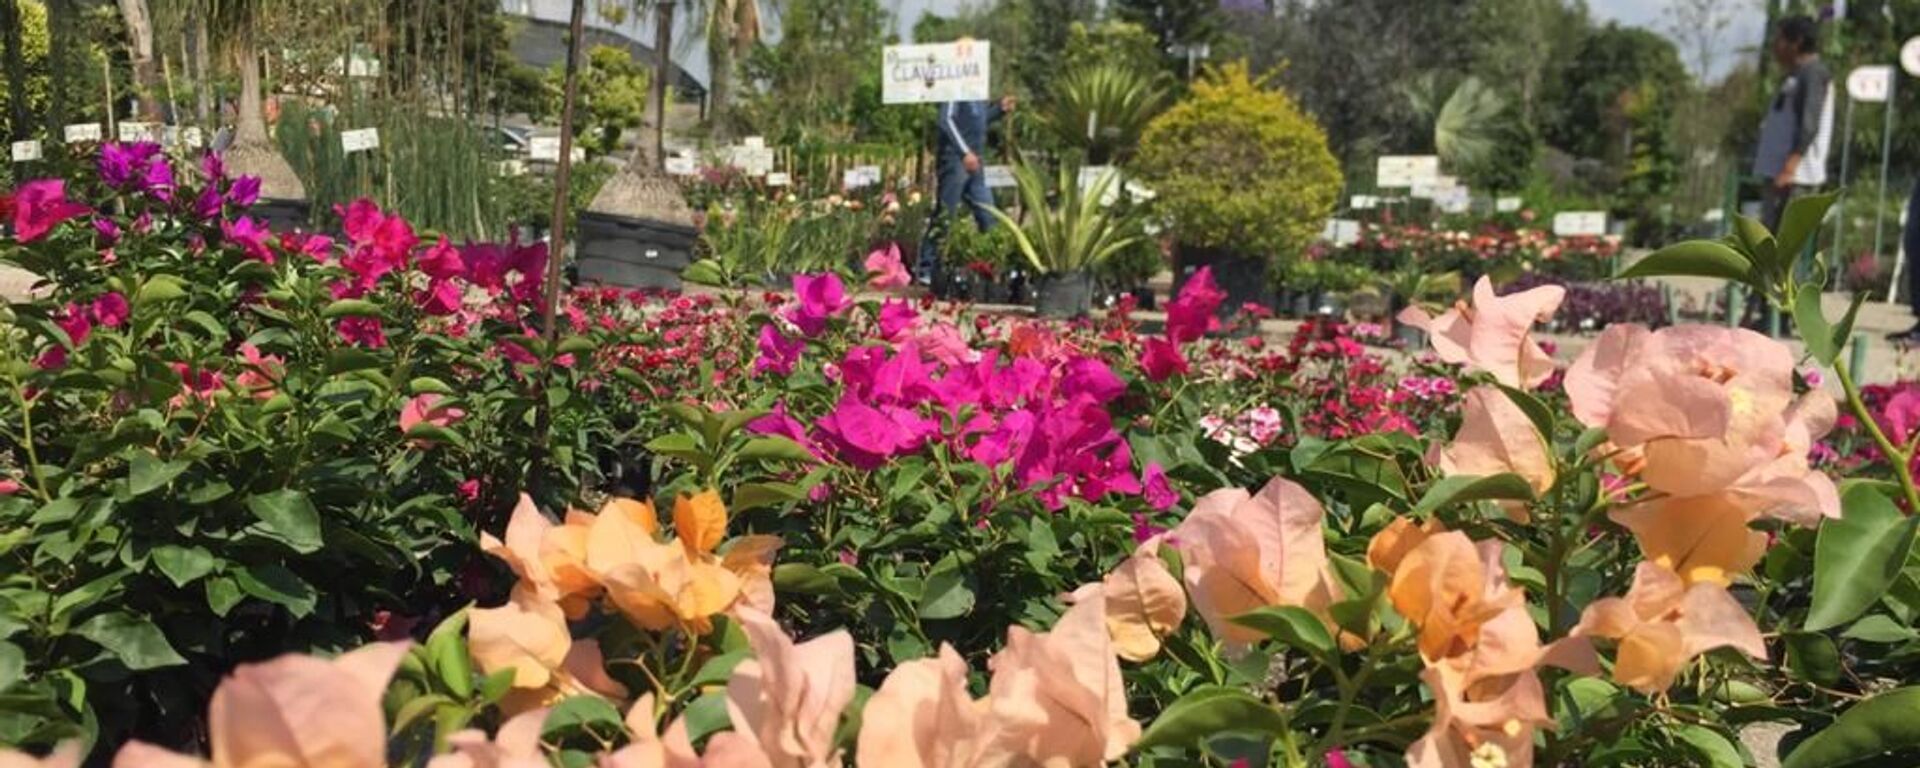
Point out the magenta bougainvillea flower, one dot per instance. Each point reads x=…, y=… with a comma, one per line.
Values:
x=37, y=207
x=820, y=297
x=777, y=352
x=110, y=310
x=885, y=270
x=1161, y=359
x=249, y=235
x=1191, y=315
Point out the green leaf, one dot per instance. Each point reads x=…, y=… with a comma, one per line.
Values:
x=1292, y=625
x=1880, y=629
x=1461, y=489
x=1812, y=657
x=135, y=641
x=757, y=495
x=1695, y=258
x=1760, y=247
x=289, y=517
x=159, y=289
x=13, y=665
x=679, y=445
x=349, y=359
x=775, y=448
x=183, y=565
x=350, y=308
x=422, y=385
x=804, y=579
x=1812, y=325
x=945, y=595
x=1713, y=749
x=1882, y=724
x=575, y=345
x=1858, y=556
x=704, y=272
x=275, y=584
x=1800, y=221
x=223, y=593
x=1536, y=411
x=582, y=713
x=717, y=669
x=146, y=473
x=447, y=655
x=1209, y=711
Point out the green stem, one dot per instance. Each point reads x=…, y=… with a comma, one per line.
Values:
x=27, y=440
x=1901, y=460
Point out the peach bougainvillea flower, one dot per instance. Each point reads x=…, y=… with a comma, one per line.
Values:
x=1446, y=587
x=1494, y=333
x=426, y=409
x=646, y=747
x=1144, y=602
x=294, y=710
x=1056, y=697
x=1664, y=622
x=1496, y=436
x=528, y=635
x=1392, y=544
x=67, y=755
x=1700, y=538
x=924, y=717
x=552, y=559
x=517, y=745
x=1244, y=552
x=785, y=702
x=661, y=585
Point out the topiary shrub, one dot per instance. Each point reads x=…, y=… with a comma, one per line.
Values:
x=1239, y=167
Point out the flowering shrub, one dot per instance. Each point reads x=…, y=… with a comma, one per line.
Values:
x=1491, y=249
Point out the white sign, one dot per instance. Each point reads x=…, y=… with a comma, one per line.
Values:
x=1092, y=174
x=25, y=151
x=544, y=148
x=1910, y=56
x=359, y=140
x=780, y=179
x=1870, y=83
x=131, y=132
x=1580, y=223
x=82, y=132
x=754, y=142
x=1454, y=199
x=1364, y=202
x=176, y=136
x=512, y=167
x=1507, y=204
x=1432, y=188
x=1400, y=171
x=681, y=165
x=999, y=176
x=1341, y=232
x=860, y=176
x=752, y=160
x=936, y=72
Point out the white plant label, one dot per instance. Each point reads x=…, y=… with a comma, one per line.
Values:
x=1910, y=56
x=1507, y=204
x=1432, y=187
x=860, y=176
x=754, y=142
x=26, y=151
x=780, y=179
x=1341, y=232
x=1454, y=199
x=1870, y=83
x=681, y=165
x=131, y=132
x=1092, y=174
x=1363, y=202
x=359, y=140
x=1401, y=171
x=176, y=136
x=1580, y=223
x=544, y=148
x=999, y=176
x=936, y=72
x=753, y=161
x=81, y=132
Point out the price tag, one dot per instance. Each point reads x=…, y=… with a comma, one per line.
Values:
x=1870, y=83
x=132, y=132
x=1580, y=223
x=1507, y=204
x=359, y=140
x=81, y=132
x=1401, y=171
x=1363, y=202
x=780, y=179
x=26, y=151
x=999, y=176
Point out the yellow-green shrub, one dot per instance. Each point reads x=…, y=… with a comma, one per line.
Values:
x=1238, y=166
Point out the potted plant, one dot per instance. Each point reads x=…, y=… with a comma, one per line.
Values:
x=1244, y=175
x=1064, y=233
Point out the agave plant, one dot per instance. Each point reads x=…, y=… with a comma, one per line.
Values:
x=1069, y=227
x=1101, y=108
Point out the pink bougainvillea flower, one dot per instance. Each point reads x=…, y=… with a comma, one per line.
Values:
x=108, y=231
x=1192, y=314
x=1161, y=359
x=244, y=192
x=1664, y=622
x=1495, y=333
x=197, y=384
x=250, y=236
x=1145, y=603
x=38, y=206
x=441, y=260
x=821, y=297
x=785, y=702
x=924, y=717
x=261, y=373
x=440, y=298
x=1056, y=697
x=1244, y=552
x=896, y=317
x=294, y=710
x=317, y=246
x=778, y=354
x=426, y=409
x=110, y=310
x=1159, y=493
x=1496, y=437
x=362, y=331
x=885, y=271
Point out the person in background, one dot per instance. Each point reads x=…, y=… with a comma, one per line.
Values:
x=1910, y=243
x=962, y=126
x=1791, y=157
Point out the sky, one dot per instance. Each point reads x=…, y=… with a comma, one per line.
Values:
x=1744, y=32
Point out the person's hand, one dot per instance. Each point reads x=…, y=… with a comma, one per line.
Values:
x=971, y=162
x=1784, y=180
x=1008, y=102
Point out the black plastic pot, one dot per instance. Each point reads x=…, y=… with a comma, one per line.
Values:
x=1063, y=295
x=1243, y=278
x=633, y=253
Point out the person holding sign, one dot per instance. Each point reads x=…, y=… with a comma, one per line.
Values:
x=962, y=128
x=1791, y=156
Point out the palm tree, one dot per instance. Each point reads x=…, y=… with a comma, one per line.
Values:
x=1102, y=108
x=146, y=72
x=253, y=152
x=731, y=28
x=1468, y=125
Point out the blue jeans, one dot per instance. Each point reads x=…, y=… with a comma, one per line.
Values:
x=956, y=186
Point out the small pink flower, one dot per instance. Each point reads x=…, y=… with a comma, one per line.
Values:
x=469, y=489
x=110, y=310
x=426, y=409
x=885, y=270
x=9, y=487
